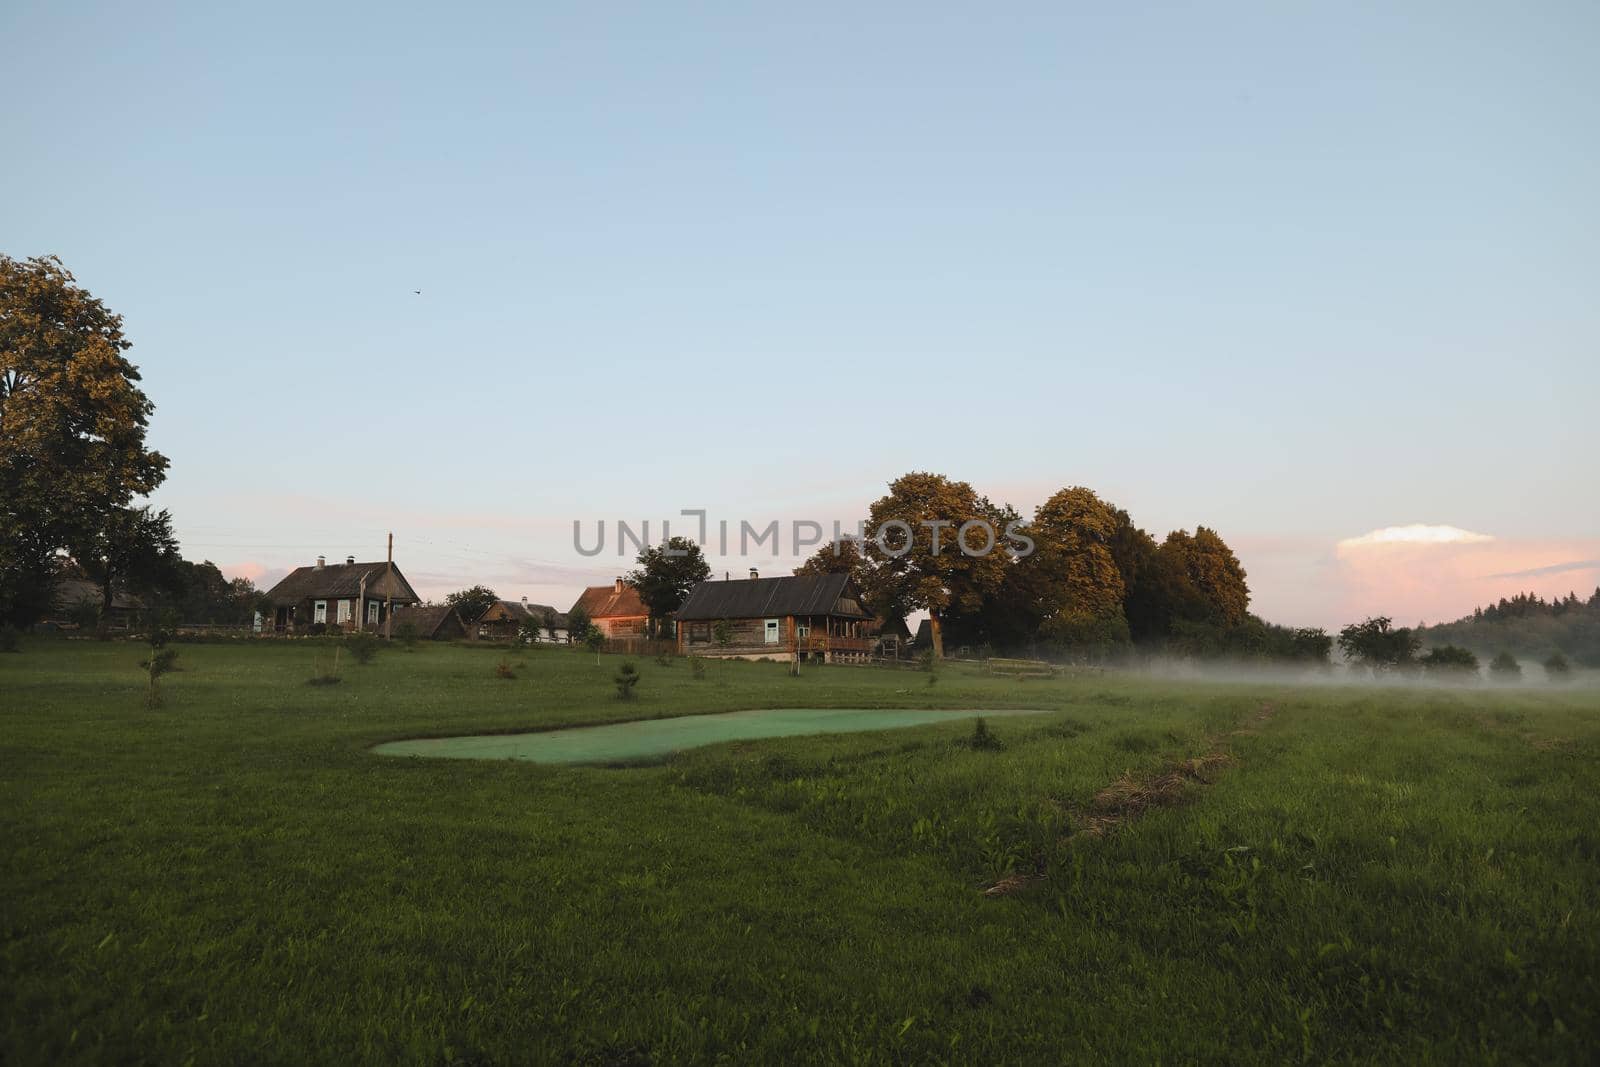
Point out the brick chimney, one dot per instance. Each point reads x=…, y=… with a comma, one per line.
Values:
x=349, y=561
x=619, y=585
x=754, y=573
x=321, y=562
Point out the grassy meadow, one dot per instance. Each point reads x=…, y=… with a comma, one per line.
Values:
x=1198, y=871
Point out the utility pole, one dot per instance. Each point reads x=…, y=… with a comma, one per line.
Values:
x=388, y=581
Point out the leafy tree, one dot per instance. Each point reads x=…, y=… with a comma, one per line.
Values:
x=577, y=625
x=162, y=660
x=910, y=570
x=72, y=428
x=722, y=633
x=1505, y=668
x=1450, y=660
x=665, y=575
x=1376, y=644
x=1557, y=669
x=550, y=626
x=472, y=602
x=594, y=639
x=132, y=549
x=529, y=629
x=1075, y=574
x=1213, y=573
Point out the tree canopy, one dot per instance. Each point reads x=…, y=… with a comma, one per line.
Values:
x=666, y=573
x=472, y=602
x=72, y=429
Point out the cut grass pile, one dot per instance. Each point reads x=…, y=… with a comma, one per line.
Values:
x=1400, y=874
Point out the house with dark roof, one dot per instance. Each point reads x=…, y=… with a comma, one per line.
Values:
x=798, y=616
x=616, y=609
x=347, y=595
x=429, y=622
x=78, y=600
x=504, y=620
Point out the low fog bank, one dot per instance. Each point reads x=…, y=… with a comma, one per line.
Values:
x=1350, y=675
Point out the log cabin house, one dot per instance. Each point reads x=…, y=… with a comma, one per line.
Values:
x=806, y=616
x=346, y=595
x=616, y=609
x=504, y=619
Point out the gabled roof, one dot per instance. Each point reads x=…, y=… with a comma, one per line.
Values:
x=426, y=618
x=336, y=580
x=69, y=592
x=604, y=602
x=516, y=609
x=754, y=598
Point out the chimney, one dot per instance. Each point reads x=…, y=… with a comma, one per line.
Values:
x=321, y=562
x=619, y=585
x=524, y=601
x=754, y=574
x=349, y=561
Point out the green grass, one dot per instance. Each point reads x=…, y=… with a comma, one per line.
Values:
x=1401, y=875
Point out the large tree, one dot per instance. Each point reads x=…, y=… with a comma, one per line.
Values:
x=665, y=575
x=72, y=427
x=1075, y=574
x=472, y=602
x=917, y=557
x=132, y=551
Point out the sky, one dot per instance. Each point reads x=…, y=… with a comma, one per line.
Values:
x=1298, y=273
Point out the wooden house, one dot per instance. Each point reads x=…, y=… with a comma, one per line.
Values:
x=805, y=616
x=505, y=618
x=429, y=622
x=346, y=595
x=78, y=600
x=616, y=609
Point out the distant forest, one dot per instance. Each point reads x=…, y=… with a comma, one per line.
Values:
x=1527, y=626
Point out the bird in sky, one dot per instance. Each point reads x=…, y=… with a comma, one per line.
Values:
x=417, y=291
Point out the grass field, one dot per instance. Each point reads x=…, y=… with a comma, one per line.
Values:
x=1355, y=873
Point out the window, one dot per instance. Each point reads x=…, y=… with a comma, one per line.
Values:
x=319, y=611
x=344, y=611
x=772, y=631
x=803, y=630
x=372, y=611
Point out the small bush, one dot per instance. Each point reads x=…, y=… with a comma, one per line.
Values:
x=503, y=670
x=664, y=660
x=316, y=629
x=323, y=679
x=626, y=678
x=162, y=661
x=1505, y=668
x=1556, y=668
x=362, y=646
x=697, y=667
x=983, y=739
x=10, y=638
x=407, y=635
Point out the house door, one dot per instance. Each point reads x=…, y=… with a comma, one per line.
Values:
x=772, y=631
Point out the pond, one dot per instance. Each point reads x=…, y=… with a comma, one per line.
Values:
x=651, y=738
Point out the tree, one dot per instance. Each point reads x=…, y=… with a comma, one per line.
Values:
x=1075, y=575
x=472, y=602
x=594, y=639
x=665, y=575
x=72, y=428
x=1557, y=669
x=132, y=549
x=1214, y=573
x=1376, y=644
x=917, y=558
x=1450, y=660
x=577, y=625
x=1505, y=668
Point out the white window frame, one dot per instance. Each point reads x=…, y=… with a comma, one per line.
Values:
x=345, y=607
x=802, y=630
x=774, y=631
x=319, y=611
x=372, y=611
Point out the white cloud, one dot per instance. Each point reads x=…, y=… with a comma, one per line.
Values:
x=1417, y=534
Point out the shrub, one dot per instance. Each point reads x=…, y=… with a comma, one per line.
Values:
x=1556, y=668
x=316, y=629
x=594, y=639
x=503, y=670
x=1505, y=667
x=323, y=679
x=664, y=660
x=697, y=667
x=362, y=645
x=626, y=678
x=722, y=633
x=161, y=661
x=1450, y=661
x=10, y=638
x=407, y=634
x=983, y=739
x=929, y=663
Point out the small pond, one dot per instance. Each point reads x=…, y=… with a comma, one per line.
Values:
x=650, y=738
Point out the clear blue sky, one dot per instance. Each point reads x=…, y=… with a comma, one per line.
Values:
x=1296, y=272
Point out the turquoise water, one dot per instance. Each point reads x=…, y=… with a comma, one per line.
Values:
x=651, y=738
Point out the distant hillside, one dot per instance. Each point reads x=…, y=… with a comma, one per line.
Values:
x=1529, y=627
